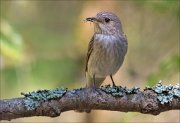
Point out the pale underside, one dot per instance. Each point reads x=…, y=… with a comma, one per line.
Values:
x=106, y=57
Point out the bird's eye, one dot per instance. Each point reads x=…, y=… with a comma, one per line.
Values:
x=107, y=20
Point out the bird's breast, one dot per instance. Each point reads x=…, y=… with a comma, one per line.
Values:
x=104, y=40
x=107, y=55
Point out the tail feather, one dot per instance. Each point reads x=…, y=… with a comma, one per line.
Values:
x=90, y=81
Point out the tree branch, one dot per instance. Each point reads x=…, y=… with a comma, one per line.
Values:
x=52, y=103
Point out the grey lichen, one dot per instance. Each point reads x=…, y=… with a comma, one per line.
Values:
x=34, y=99
x=72, y=92
x=165, y=93
x=118, y=91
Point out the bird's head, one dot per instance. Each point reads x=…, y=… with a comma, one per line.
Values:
x=106, y=23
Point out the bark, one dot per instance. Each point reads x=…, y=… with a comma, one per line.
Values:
x=145, y=102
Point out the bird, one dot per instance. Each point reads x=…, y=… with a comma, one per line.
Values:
x=106, y=49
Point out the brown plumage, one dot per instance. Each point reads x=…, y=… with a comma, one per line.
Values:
x=106, y=50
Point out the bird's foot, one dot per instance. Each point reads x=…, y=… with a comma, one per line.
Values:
x=114, y=85
x=96, y=90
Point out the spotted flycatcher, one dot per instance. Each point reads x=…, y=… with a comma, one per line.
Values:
x=106, y=50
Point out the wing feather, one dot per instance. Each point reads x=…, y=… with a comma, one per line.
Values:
x=90, y=49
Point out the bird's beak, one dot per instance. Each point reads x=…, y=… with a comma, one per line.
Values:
x=92, y=19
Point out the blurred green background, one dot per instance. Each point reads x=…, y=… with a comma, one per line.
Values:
x=44, y=45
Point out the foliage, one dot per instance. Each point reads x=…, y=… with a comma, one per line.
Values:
x=167, y=68
x=11, y=43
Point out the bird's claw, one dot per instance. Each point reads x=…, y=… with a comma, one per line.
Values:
x=96, y=90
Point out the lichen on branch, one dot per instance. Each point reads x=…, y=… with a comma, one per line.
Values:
x=152, y=100
x=34, y=99
x=165, y=94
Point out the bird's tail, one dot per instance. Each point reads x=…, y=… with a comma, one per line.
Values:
x=90, y=81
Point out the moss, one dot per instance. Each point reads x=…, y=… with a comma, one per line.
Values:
x=34, y=99
x=118, y=91
x=165, y=93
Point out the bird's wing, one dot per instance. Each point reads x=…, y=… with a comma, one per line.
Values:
x=126, y=43
x=90, y=49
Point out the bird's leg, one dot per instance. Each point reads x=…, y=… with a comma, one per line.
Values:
x=94, y=82
x=95, y=89
x=112, y=81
